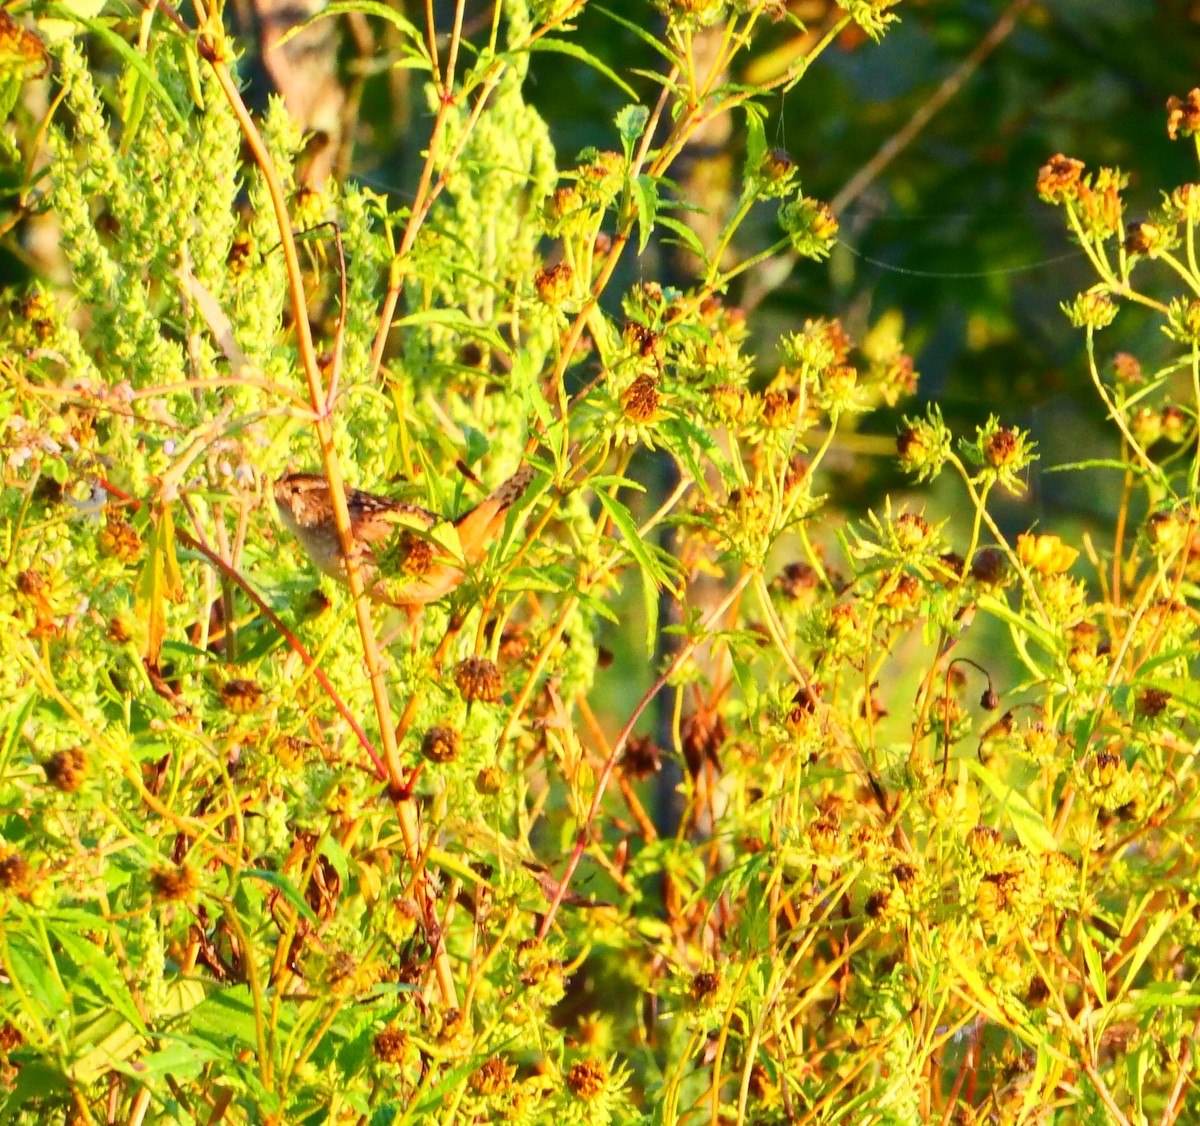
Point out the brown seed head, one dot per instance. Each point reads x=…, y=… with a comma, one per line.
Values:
x=441, y=744
x=489, y=781
x=14, y=871
x=120, y=539
x=390, y=1045
x=241, y=696
x=66, y=770
x=174, y=883
x=640, y=400
x=493, y=1077
x=989, y=567
x=641, y=758
x=586, y=1079
x=478, y=678
x=1001, y=448
x=983, y=841
x=554, y=284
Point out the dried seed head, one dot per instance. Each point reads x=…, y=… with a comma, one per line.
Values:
x=1144, y=238
x=988, y=567
x=823, y=835
x=704, y=985
x=779, y=409
x=489, y=781
x=390, y=1045
x=1153, y=702
x=493, y=1077
x=554, y=284
x=641, y=758
x=798, y=581
x=241, y=696
x=441, y=744
x=983, y=841
x=14, y=871
x=1106, y=770
x=66, y=770
x=1002, y=448
x=878, y=903
x=478, y=678
x=640, y=400
x=31, y=584
x=587, y=1079
x=777, y=166
x=912, y=531
x=1126, y=368
x=120, y=539
x=174, y=883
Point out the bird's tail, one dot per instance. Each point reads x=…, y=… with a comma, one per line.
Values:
x=479, y=527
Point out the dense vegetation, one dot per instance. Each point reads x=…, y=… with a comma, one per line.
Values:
x=273, y=850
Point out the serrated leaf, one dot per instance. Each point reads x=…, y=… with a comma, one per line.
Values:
x=1095, y=965
x=104, y=1039
x=687, y=237
x=1026, y=822
x=631, y=124
x=756, y=137
x=367, y=8
x=651, y=598
x=623, y=519
x=227, y=1017
x=645, y=198
x=574, y=51
x=285, y=887
x=160, y=581
x=651, y=41
x=1150, y=940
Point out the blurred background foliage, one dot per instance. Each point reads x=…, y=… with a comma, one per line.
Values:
x=950, y=236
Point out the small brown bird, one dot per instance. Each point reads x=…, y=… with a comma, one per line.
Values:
x=403, y=558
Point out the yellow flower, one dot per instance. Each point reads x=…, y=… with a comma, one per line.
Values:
x=1046, y=554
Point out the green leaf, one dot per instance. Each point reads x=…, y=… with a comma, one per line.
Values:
x=631, y=124
x=26, y=964
x=227, y=1019
x=1026, y=822
x=645, y=200
x=284, y=886
x=651, y=599
x=1095, y=965
x=160, y=581
x=652, y=41
x=102, y=972
x=574, y=51
x=103, y=1039
x=34, y=1080
x=627, y=526
x=14, y=721
x=131, y=56
x=756, y=138
x=1150, y=940
x=477, y=445
x=687, y=237
x=367, y=8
